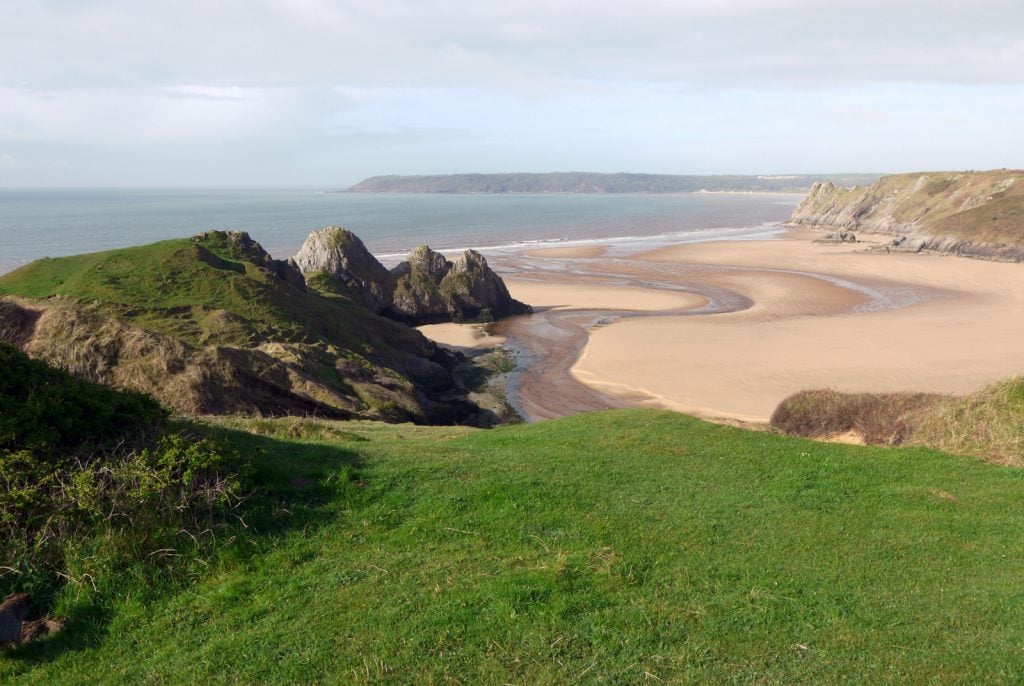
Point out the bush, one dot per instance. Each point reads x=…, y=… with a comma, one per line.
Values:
x=879, y=418
x=137, y=503
x=89, y=484
x=54, y=415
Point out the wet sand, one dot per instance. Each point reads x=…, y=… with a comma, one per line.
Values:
x=463, y=336
x=755, y=321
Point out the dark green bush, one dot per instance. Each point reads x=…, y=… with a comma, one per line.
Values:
x=54, y=415
x=88, y=483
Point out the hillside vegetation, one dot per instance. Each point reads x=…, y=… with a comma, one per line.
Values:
x=622, y=547
x=94, y=481
x=988, y=424
x=212, y=324
x=979, y=208
x=589, y=182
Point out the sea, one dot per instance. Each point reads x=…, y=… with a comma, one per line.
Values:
x=56, y=222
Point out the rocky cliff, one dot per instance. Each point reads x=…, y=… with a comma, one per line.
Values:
x=339, y=254
x=213, y=324
x=426, y=288
x=977, y=214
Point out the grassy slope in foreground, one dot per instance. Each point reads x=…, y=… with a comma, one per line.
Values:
x=603, y=547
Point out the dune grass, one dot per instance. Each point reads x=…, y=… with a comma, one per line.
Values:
x=618, y=547
x=877, y=418
x=988, y=424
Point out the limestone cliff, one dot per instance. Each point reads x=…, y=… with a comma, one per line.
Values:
x=417, y=294
x=429, y=289
x=977, y=214
x=426, y=288
x=340, y=254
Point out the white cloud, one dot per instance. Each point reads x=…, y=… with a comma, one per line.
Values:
x=7, y=160
x=101, y=115
x=659, y=85
x=301, y=43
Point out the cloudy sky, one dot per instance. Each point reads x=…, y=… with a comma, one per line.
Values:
x=325, y=92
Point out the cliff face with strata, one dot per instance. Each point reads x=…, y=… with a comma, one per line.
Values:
x=977, y=214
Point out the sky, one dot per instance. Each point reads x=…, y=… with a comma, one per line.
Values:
x=323, y=93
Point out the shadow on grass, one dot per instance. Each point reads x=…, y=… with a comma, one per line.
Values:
x=295, y=485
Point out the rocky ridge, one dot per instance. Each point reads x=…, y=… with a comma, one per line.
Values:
x=974, y=214
x=426, y=288
x=214, y=325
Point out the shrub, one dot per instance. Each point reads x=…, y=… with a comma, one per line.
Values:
x=988, y=424
x=880, y=418
x=54, y=415
x=88, y=483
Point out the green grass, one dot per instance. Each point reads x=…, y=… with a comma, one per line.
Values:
x=619, y=547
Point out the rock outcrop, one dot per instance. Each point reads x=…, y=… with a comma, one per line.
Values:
x=974, y=214
x=339, y=254
x=841, y=236
x=417, y=297
x=214, y=325
x=474, y=291
x=13, y=612
x=426, y=288
x=430, y=289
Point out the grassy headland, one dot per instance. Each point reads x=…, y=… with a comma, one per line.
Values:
x=212, y=324
x=980, y=207
x=625, y=546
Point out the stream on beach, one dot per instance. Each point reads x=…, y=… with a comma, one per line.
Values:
x=549, y=342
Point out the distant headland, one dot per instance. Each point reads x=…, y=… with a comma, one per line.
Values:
x=970, y=213
x=596, y=183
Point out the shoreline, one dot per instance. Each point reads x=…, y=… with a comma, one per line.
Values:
x=778, y=316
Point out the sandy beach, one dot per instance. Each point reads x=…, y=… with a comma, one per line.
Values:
x=728, y=329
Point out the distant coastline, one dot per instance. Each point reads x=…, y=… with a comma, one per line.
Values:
x=599, y=183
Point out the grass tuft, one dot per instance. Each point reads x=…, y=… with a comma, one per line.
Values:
x=988, y=424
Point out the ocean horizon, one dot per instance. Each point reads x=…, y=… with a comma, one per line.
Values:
x=37, y=223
